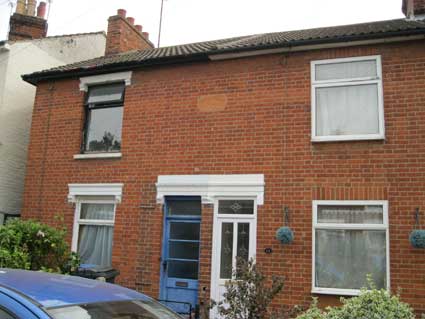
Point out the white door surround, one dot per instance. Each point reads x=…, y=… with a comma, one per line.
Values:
x=211, y=186
x=215, y=188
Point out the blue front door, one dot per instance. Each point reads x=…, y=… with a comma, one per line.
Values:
x=180, y=254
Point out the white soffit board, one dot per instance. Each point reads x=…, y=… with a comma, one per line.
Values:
x=211, y=186
x=112, y=190
x=85, y=82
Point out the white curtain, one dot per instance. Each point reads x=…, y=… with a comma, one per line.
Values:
x=350, y=214
x=95, y=242
x=347, y=110
x=344, y=258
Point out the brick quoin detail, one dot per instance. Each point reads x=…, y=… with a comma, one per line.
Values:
x=264, y=128
x=124, y=36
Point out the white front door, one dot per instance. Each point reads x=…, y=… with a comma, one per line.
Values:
x=234, y=236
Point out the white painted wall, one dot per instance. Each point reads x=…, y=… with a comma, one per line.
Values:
x=17, y=99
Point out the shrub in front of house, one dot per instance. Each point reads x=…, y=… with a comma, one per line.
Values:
x=249, y=293
x=372, y=303
x=28, y=244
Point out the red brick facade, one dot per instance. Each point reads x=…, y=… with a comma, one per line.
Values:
x=260, y=124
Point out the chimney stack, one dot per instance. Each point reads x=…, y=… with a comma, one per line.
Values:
x=414, y=9
x=24, y=24
x=124, y=36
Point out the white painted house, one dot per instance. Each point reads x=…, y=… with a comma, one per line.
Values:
x=28, y=50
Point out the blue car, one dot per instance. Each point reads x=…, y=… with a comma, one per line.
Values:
x=38, y=295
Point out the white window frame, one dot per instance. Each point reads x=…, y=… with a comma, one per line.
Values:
x=95, y=222
x=335, y=226
x=347, y=82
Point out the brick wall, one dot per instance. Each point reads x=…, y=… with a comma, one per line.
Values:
x=261, y=126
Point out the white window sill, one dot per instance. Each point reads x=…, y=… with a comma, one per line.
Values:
x=336, y=292
x=97, y=156
x=347, y=138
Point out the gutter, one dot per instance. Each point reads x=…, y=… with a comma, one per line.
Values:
x=233, y=53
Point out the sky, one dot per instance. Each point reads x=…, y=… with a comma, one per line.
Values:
x=186, y=21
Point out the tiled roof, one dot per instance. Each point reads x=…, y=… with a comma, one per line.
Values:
x=372, y=30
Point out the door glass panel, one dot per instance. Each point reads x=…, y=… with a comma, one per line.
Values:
x=183, y=250
x=184, y=231
x=183, y=269
x=243, y=241
x=184, y=207
x=232, y=207
x=226, y=251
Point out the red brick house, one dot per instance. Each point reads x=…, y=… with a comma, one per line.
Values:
x=167, y=163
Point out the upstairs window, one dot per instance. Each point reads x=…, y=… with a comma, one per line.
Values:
x=104, y=112
x=347, y=99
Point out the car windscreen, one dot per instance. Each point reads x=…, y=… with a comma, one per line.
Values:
x=136, y=309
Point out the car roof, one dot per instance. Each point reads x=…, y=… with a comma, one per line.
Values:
x=53, y=290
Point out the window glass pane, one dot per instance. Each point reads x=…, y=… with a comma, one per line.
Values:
x=361, y=214
x=347, y=110
x=346, y=70
x=226, y=251
x=95, y=244
x=344, y=258
x=106, y=93
x=184, y=207
x=104, y=129
x=183, y=269
x=97, y=211
x=244, y=207
x=185, y=231
x=183, y=250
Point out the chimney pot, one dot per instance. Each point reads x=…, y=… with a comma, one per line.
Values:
x=21, y=7
x=41, y=10
x=146, y=35
x=122, y=13
x=130, y=20
x=31, y=7
x=139, y=28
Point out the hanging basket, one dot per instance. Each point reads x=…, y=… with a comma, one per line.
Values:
x=285, y=235
x=417, y=238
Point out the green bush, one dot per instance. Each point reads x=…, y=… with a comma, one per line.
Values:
x=313, y=312
x=371, y=303
x=32, y=245
x=249, y=295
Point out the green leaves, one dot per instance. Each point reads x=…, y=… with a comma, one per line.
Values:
x=372, y=303
x=32, y=245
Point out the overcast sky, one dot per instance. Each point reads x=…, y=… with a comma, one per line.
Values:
x=199, y=20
